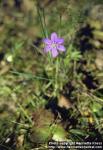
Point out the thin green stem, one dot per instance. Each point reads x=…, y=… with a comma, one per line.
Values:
x=45, y=26
x=40, y=19
x=24, y=112
x=56, y=77
x=60, y=24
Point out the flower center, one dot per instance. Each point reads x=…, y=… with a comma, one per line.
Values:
x=54, y=45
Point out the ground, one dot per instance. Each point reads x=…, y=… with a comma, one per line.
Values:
x=45, y=99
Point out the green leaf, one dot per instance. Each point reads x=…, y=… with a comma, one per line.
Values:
x=96, y=107
x=59, y=134
x=78, y=132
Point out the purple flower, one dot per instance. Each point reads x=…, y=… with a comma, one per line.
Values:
x=54, y=45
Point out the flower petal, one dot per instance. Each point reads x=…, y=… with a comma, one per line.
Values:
x=61, y=48
x=47, y=48
x=47, y=41
x=54, y=37
x=54, y=52
x=60, y=40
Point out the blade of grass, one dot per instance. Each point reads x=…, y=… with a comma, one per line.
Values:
x=29, y=76
x=40, y=19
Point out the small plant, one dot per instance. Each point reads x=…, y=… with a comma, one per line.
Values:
x=58, y=66
x=51, y=80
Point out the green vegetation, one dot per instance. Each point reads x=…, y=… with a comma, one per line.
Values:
x=43, y=98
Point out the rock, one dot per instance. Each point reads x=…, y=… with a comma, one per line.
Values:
x=99, y=59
